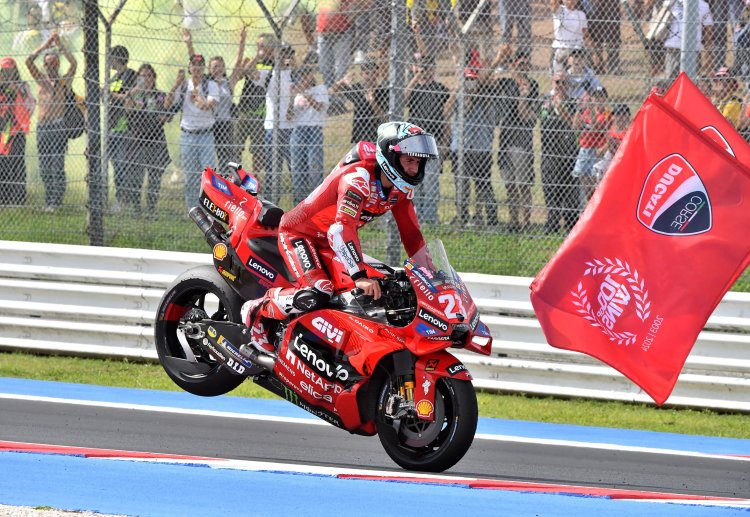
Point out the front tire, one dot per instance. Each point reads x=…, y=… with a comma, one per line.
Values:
x=198, y=293
x=431, y=446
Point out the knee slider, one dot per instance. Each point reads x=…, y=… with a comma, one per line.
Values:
x=309, y=299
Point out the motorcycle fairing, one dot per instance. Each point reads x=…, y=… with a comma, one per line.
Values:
x=313, y=359
x=444, y=305
x=427, y=371
x=277, y=386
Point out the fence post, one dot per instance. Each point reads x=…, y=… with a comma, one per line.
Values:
x=396, y=84
x=690, y=21
x=95, y=227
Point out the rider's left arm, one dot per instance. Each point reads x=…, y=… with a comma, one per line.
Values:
x=408, y=226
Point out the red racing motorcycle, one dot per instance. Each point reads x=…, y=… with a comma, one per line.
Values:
x=370, y=367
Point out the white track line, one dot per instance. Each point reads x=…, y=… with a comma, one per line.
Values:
x=314, y=421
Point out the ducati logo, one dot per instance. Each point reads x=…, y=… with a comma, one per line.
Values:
x=609, y=295
x=674, y=200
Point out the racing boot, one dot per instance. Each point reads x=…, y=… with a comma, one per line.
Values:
x=254, y=312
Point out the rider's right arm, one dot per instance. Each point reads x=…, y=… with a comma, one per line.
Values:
x=353, y=191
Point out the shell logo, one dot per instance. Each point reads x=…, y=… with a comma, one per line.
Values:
x=424, y=408
x=220, y=251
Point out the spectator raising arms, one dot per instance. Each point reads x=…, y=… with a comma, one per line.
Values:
x=196, y=96
x=369, y=97
x=308, y=112
x=278, y=99
x=51, y=136
x=252, y=102
x=571, y=31
x=148, y=155
x=224, y=134
x=16, y=106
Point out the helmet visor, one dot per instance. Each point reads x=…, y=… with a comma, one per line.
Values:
x=421, y=146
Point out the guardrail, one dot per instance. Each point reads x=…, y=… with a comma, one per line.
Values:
x=91, y=301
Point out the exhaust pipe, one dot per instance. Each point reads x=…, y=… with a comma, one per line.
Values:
x=213, y=231
x=264, y=360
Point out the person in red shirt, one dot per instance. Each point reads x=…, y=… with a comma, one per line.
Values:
x=371, y=180
x=593, y=119
x=16, y=105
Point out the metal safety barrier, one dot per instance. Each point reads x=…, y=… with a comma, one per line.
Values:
x=101, y=302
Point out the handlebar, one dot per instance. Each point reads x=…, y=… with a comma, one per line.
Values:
x=233, y=167
x=359, y=293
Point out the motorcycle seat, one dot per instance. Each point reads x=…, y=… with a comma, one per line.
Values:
x=270, y=214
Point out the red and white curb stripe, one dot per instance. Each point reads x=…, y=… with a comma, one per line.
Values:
x=375, y=475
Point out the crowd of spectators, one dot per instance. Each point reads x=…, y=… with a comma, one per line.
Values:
x=478, y=98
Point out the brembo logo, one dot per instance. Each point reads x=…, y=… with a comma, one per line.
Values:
x=262, y=269
x=432, y=319
x=333, y=334
x=674, y=200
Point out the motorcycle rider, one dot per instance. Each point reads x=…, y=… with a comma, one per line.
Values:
x=368, y=182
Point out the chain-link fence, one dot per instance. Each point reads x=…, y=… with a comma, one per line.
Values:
x=527, y=100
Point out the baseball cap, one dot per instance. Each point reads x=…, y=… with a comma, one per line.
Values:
x=7, y=62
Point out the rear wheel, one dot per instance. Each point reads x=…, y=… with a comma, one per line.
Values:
x=430, y=446
x=199, y=293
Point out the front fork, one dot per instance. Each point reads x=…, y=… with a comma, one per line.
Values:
x=401, y=402
x=417, y=382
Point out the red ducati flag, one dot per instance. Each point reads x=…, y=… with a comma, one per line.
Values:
x=652, y=254
x=689, y=101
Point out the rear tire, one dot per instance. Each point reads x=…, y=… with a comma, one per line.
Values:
x=197, y=293
x=431, y=446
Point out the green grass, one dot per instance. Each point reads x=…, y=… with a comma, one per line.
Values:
x=516, y=407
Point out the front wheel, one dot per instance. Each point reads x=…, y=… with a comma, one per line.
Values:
x=430, y=446
x=199, y=293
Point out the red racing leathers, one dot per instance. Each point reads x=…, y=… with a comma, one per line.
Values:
x=350, y=197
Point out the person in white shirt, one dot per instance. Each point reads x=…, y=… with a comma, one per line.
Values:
x=571, y=31
x=226, y=149
x=197, y=96
x=279, y=92
x=673, y=42
x=308, y=113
